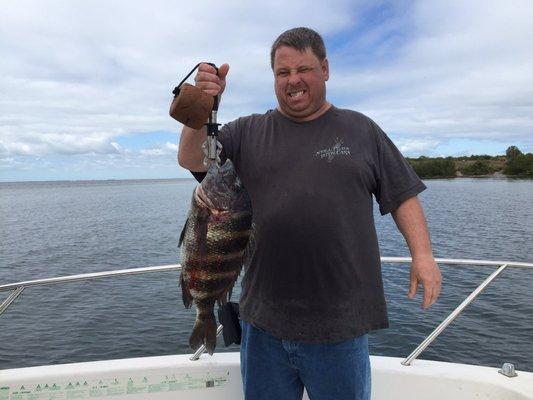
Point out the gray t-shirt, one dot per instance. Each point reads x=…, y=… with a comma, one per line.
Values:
x=314, y=273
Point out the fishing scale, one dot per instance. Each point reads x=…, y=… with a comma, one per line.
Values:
x=192, y=107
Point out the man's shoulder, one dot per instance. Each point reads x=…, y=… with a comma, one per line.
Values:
x=252, y=119
x=353, y=115
x=357, y=122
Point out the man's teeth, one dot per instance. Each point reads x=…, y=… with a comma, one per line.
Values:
x=296, y=94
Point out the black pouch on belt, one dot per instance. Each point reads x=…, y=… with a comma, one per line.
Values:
x=228, y=316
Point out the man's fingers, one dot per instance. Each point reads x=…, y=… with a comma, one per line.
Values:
x=204, y=67
x=428, y=296
x=207, y=79
x=223, y=71
x=412, y=287
x=437, y=291
x=437, y=287
x=431, y=292
x=209, y=87
x=433, y=295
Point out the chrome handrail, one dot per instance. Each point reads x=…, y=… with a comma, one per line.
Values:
x=449, y=319
x=460, y=261
x=92, y=275
x=502, y=265
x=18, y=287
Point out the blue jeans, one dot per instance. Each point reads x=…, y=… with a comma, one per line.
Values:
x=275, y=369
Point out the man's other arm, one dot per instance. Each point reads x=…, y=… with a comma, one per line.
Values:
x=410, y=220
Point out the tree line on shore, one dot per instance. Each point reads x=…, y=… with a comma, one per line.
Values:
x=513, y=163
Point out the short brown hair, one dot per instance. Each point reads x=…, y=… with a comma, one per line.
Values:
x=300, y=39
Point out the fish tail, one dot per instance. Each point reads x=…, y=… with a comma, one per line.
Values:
x=204, y=332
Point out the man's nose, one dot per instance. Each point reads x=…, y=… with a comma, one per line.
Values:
x=294, y=77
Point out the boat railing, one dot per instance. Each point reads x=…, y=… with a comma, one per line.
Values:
x=18, y=287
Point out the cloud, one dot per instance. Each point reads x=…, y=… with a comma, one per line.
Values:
x=91, y=71
x=162, y=150
x=416, y=146
x=75, y=82
x=158, y=161
x=464, y=71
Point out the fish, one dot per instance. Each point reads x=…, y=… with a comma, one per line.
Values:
x=213, y=244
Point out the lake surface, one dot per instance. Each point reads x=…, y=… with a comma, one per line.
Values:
x=50, y=229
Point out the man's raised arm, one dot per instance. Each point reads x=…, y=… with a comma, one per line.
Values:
x=190, y=153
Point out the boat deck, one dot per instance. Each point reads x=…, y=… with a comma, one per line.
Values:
x=218, y=377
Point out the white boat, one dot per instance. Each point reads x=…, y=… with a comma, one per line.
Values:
x=217, y=377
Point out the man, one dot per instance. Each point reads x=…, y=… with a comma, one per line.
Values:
x=312, y=288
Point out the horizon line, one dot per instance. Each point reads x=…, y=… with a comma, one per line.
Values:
x=99, y=180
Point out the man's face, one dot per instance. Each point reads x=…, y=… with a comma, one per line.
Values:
x=300, y=83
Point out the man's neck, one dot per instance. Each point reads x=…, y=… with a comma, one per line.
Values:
x=319, y=112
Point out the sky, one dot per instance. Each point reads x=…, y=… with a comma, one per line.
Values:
x=85, y=86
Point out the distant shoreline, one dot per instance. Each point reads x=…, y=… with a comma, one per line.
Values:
x=514, y=164
x=98, y=181
x=496, y=176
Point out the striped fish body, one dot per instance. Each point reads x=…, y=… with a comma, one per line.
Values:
x=213, y=243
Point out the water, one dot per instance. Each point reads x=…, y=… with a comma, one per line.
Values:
x=62, y=228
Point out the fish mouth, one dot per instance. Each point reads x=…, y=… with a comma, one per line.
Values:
x=202, y=198
x=223, y=202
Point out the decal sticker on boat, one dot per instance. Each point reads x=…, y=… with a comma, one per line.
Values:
x=102, y=387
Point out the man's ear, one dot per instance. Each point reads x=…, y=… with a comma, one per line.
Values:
x=325, y=68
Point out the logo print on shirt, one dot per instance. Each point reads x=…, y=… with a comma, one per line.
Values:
x=335, y=150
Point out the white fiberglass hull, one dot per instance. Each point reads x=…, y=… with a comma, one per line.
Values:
x=218, y=378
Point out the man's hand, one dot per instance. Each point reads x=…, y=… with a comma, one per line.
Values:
x=409, y=218
x=207, y=79
x=426, y=272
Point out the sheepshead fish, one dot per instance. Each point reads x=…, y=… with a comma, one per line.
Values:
x=213, y=244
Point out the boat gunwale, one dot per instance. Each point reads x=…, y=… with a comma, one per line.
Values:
x=176, y=267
